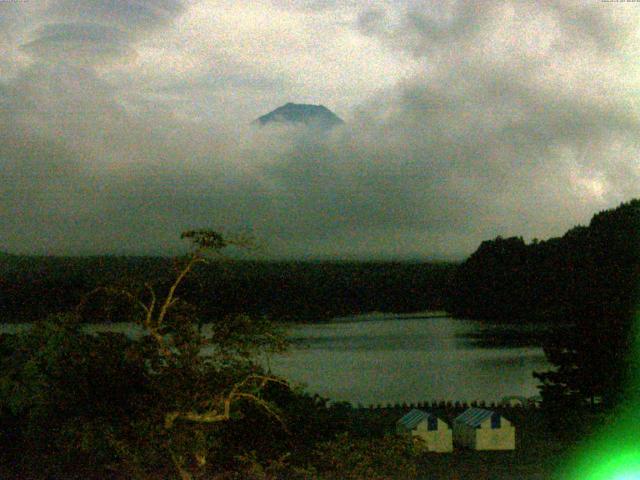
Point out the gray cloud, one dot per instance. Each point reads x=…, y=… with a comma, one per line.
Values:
x=127, y=14
x=519, y=121
x=313, y=5
x=94, y=31
x=79, y=41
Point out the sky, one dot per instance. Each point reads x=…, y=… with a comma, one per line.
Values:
x=125, y=122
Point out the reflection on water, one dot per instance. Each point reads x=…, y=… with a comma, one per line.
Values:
x=412, y=360
x=387, y=359
x=509, y=336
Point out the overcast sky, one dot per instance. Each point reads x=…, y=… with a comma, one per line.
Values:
x=125, y=122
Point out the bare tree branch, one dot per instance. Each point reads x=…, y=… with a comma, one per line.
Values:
x=111, y=291
x=214, y=415
x=265, y=405
x=168, y=302
x=152, y=305
x=184, y=475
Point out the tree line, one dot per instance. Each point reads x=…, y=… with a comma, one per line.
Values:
x=589, y=270
x=281, y=290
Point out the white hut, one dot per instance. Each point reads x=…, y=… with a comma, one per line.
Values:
x=435, y=434
x=481, y=429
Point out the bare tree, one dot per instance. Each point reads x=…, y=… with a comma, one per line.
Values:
x=157, y=312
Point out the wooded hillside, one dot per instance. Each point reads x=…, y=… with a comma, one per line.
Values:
x=592, y=270
x=281, y=290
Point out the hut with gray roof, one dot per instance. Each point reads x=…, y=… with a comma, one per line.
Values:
x=480, y=429
x=435, y=434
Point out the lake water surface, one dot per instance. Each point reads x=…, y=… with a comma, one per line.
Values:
x=372, y=359
x=390, y=359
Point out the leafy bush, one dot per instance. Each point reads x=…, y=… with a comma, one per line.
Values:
x=67, y=392
x=348, y=458
x=144, y=407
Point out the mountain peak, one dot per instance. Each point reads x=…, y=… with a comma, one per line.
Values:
x=311, y=115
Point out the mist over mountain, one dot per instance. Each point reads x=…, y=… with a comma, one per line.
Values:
x=312, y=115
x=122, y=127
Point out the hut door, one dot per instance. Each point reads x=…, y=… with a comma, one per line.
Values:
x=432, y=424
x=495, y=420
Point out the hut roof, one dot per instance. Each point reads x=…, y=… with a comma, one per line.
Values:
x=414, y=417
x=474, y=416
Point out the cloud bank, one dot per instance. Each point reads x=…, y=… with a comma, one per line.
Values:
x=123, y=123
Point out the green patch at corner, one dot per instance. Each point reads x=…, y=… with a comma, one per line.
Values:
x=614, y=453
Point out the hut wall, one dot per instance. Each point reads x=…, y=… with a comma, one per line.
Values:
x=503, y=438
x=440, y=440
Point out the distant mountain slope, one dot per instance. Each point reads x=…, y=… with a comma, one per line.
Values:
x=32, y=287
x=591, y=271
x=312, y=115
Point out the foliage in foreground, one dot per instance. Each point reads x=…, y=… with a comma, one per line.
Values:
x=99, y=403
x=76, y=405
x=349, y=458
x=174, y=403
x=155, y=404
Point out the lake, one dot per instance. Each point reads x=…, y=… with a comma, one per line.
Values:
x=391, y=359
x=386, y=358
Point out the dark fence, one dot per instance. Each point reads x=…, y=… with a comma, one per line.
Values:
x=453, y=406
x=379, y=420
